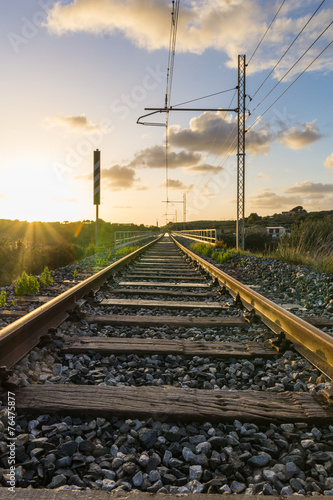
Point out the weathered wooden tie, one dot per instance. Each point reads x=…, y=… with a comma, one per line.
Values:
x=176, y=277
x=163, y=284
x=167, y=293
x=178, y=321
x=169, y=304
x=115, y=345
x=167, y=402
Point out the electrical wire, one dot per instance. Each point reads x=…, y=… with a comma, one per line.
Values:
x=204, y=97
x=292, y=67
x=217, y=168
x=262, y=38
x=287, y=50
x=171, y=60
x=292, y=83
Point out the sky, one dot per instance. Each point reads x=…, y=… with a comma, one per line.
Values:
x=77, y=74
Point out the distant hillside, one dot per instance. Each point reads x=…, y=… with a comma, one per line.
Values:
x=50, y=233
x=285, y=219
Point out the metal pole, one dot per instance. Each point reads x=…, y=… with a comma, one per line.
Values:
x=97, y=187
x=240, y=228
x=96, y=238
x=184, y=207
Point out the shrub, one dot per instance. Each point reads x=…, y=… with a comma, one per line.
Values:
x=224, y=256
x=45, y=278
x=26, y=285
x=257, y=242
x=125, y=251
x=201, y=249
x=2, y=298
x=228, y=241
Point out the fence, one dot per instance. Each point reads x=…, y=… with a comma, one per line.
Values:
x=203, y=235
x=124, y=238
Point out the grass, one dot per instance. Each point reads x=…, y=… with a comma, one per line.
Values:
x=125, y=251
x=310, y=244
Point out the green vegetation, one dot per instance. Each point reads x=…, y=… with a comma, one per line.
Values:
x=220, y=254
x=310, y=244
x=31, y=247
x=75, y=273
x=45, y=278
x=26, y=285
x=2, y=298
x=124, y=251
x=201, y=249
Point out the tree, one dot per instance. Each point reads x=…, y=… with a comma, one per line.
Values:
x=297, y=210
x=253, y=218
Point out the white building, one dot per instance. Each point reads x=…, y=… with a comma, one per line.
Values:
x=275, y=232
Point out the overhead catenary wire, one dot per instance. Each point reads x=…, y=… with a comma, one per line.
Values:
x=287, y=50
x=262, y=38
x=292, y=83
x=196, y=188
x=171, y=60
x=204, y=97
x=292, y=67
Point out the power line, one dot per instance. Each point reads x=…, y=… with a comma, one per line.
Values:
x=204, y=97
x=287, y=50
x=262, y=38
x=292, y=83
x=171, y=60
x=283, y=77
x=210, y=149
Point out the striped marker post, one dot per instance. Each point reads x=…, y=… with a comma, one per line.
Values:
x=97, y=186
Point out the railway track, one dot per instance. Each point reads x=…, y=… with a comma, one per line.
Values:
x=158, y=380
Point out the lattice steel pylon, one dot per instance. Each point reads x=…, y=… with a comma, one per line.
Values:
x=240, y=227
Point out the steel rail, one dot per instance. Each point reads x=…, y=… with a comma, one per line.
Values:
x=19, y=337
x=312, y=343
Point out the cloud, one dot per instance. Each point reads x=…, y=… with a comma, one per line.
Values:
x=269, y=200
x=74, y=123
x=263, y=176
x=329, y=161
x=154, y=157
x=309, y=187
x=216, y=132
x=119, y=177
x=299, y=137
x=177, y=184
x=204, y=168
x=230, y=26
x=222, y=25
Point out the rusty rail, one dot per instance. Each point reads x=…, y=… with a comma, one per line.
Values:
x=312, y=343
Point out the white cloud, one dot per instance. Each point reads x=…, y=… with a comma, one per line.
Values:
x=72, y=123
x=154, y=157
x=270, y=200
x=310, y=187
x=216, y=132
x=329, y=161
x=177, y=184
x=231, y=26
x=120, y=177
x=299, y=137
